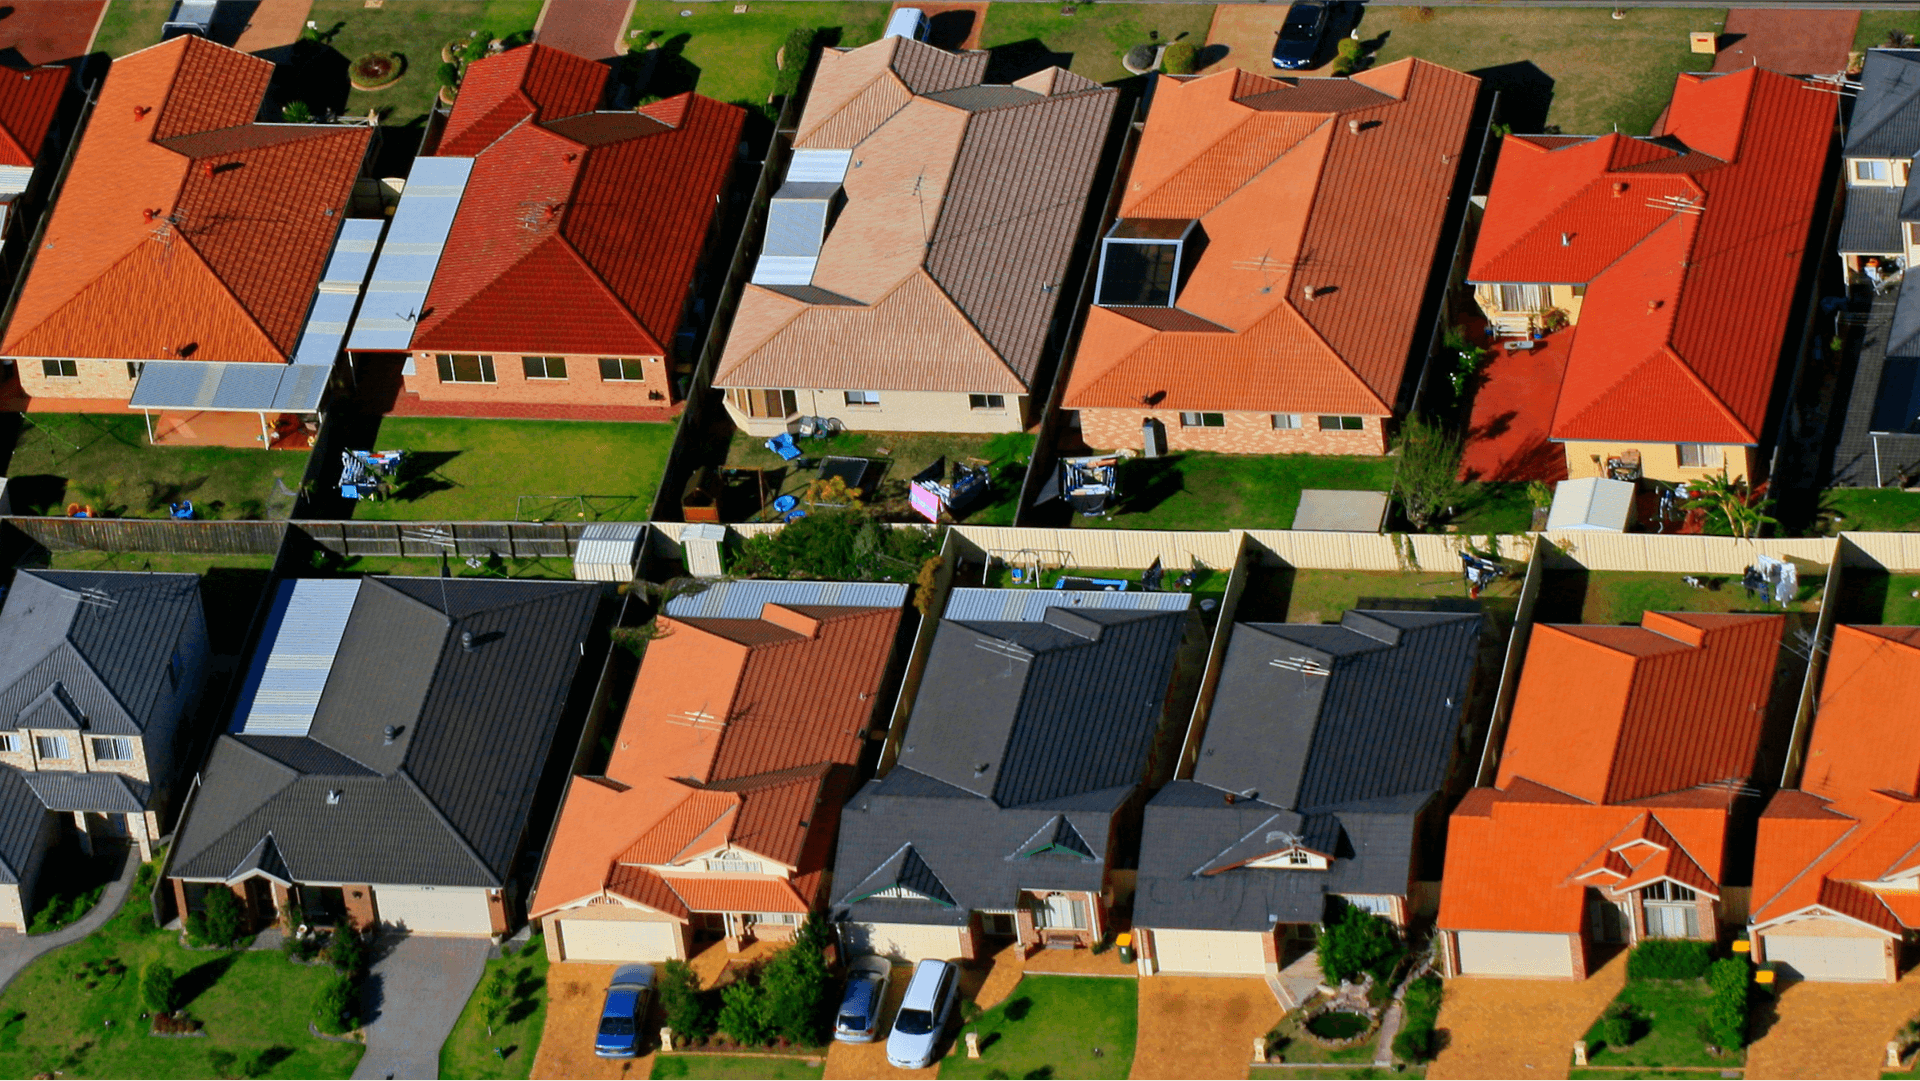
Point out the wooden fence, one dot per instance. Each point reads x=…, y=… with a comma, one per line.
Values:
x=510, y=540
x=153, y=535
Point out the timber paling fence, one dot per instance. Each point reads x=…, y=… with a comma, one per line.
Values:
x=509, y=540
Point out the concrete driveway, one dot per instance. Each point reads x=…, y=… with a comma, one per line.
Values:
x=1201, y=1026
x=415, y=991
x=1520, y=1028
x=574, y=993
x=1242, y=37
x=1833, y=1029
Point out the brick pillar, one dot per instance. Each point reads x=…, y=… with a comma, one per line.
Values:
x=970, y=938
x=180, y=898
x=497, y=912
x=1023, y=926
x=1270, y=944
x=281, y=895
x=1143, y=943
x=362, y=912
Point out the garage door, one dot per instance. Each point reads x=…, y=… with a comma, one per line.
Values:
x=429, y=911
x=1221, y=953
x=1510, y=953
x=618, y=940
x=901, y=941
x=1822, y=958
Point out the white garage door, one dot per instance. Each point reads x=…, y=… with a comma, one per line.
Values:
x=1511, y=953
x=432, y=911
x=1222, y=953
x=1822, y=958
x=618, y=940
x=901, y=941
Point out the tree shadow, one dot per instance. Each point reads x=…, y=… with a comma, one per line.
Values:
x=197, y=980
x=1145, y=483
x=1019, y=59
x=37, y=492
x=950, y=29
x=1526, y=93
x=1019, y=1008
x=373, y=995
x=162, y=493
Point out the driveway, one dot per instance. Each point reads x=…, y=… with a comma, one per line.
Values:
x=574, y=992
x=1242, y=37
x=595, y=29
x=1789, y=40
x=49, y=31
x=415, y=991
x=1520, y=1028
x=1201, y=1026
x=1833, y=1029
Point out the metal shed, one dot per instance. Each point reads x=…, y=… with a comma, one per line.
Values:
x=1593, y=504
x=609, y=551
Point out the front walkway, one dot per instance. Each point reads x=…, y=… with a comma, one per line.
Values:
x=415, y=991
x=1201, y=1026
x=1520, y=1028
x=1833, y=1029
x=18, y=950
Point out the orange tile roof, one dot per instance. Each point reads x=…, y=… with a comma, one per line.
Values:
x=1290, y=196
x=723, y=893
x=29, y=99
x=641, y=885
x=1864, y=738
x=1691, y=254
x=184, y=229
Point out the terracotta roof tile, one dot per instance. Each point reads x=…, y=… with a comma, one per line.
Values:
x=1864, y=738
x=537, y=82
x=29, y=99
x=720, y=893
x=642, y=885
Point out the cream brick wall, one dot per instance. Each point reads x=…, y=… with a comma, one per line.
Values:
x=898, y=411
x=582, y=386
x=1245, y=433
x=1487, y=295
x=1658, y=461
x=96, y=379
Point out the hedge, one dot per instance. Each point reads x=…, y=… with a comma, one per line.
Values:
x=1669, y=959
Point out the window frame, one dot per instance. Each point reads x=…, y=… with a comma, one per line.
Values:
x=42, y=743
x=755, y=402
x=1542, y=294
x=115, y=744
x=1288, y=422
x=860, y=399
x=59, y=368
x=1331, y=423
x=546, y=365
x=1877, y=167
x=134, y=368
x=449, y=367
x=623, y=370
x=10, y=742
x=1201, y=419
x=1704, y=455
x=987, y=402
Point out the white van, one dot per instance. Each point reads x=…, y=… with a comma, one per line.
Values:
x=922, y=1020
x=907, y=23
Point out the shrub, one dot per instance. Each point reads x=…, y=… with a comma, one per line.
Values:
x=159, y=989
x=336, y=1009
x=1180, y=58
x=218, y=922
x=687, y=1009
x=743, y=1013
x=843, y=545
x=1617, y=1025
x=1353, y=941
x=345, y=951
x=1419, y=13
x=297, y=112
x=1669, y=959
x=476, y=46
x=448, y=76
x=1347, y=57
x=1732, y=983
x=794, y=984
x=793, y=56
x=1415, y=1042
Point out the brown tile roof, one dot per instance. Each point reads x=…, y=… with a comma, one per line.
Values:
x=1340, y=185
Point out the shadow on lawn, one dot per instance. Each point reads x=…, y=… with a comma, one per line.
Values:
x=198, y=980
x=1145, y=483
x=419, y=475
x=1019, y=59
x=1526, y=93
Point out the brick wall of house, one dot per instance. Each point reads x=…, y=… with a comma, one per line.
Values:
x=582, y=386
x=497, y=911
x=361, y=912
x=897, y=411
x=97, y=379
x=1244, y=433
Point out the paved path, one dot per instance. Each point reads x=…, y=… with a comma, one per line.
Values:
x=1389, y=1028
x=1796, y=42
x=1833, y=1029
x=415, y=991
x=17, y=950
x=1520, y=1028
x=1201, y=1026
x=595, y=29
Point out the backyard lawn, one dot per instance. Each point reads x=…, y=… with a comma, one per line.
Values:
x=470, y=1051
x=76, y=1011
x=1574, y=69
x=1091, y=41
x=414, y=30
x=903, y=454
x=521, y=470
x=1293, y=595
x=1873, y=510
x=1055, y=1026
x=729, y=56
x=1870, y=596
x=1196, y=490
x=1875, y=24
x=499, y=567
x=724, y=1066
x=1671, y=1014
x=130, y=25
x=103, y=460
x=1576, y=596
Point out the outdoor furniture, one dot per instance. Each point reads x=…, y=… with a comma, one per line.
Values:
x=783, y=445
x=784, y=504
x=1153, y=576
x=1520, y=346
x=1102, y=585
x=181, y=510
x=819, y=427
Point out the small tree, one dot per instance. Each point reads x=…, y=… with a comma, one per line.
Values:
x=1743, y=512
x=345, y=950
x=687, y=1009
x=1427, y=478
x=793, y=987
x=336, y=1009
x=1354, y=941
x=297, y=112
x=1617, y=1026
x=1732, y=982
x=1347, y=56
x=220, y=918
x=496, y=994
x=448, y=76
x=476, y=46
x=1180, y=58
x=743, y=1013
x=160, y=989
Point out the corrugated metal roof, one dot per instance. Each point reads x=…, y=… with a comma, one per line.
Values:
x=240, y=386
x=744, y=599
x=411, y=254
x=818, y=166
x=1030, y=605
x=283, y=687
x=1592, y=503
x=610, y=543
x=339, y=290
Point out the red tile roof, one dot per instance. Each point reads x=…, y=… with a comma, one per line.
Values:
x=184, y=228
x=1290, y=196
x=1691, y=254
x=579, y=231
x=28, y=101
x=717, y=893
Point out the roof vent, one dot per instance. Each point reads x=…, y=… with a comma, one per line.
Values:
x=1619, y=188
x=1566, y=240
x=389, y=734
x=981, y=767
x=466, y=641
x=1653, y=306
x=140, y=111
x=333, y=796
x=1230, y=797
x=1311, y=292
x=1353, y=127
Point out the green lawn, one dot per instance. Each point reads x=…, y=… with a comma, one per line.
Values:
x=1323, y=596
x=470, y=1051
x=1091, y=41
x=1873, y=510
x=1197, y=490
x=730, y=57
x=525, y=567
x=414, y=30
x=781, y=1069
x=1362, y=1072
x=1668, y=1034
x=1055, y=1027
x=1874, y=26
x=130, y=25
x=254, y=1004
x=1574, y=596
x=1578, y=68
x=157, y=562
x=477, y=470
x=905, y=454
x=1661, y=1075
x=1493, y=508
x=1870, y=596
x=104, y=461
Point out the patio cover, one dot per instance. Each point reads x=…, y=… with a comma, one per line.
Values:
x=233, y=386
x=1594, y=504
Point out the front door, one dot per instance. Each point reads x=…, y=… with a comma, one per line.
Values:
x=260, y=907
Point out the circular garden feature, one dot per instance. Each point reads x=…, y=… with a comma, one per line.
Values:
x=1339, y=1025
x=377, y=71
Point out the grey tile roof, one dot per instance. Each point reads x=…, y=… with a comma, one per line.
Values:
x=472, y=675
x=106, y=637
x=929, y=70
x=1330, y=737
x=1886, y=123
x=58, y=790
x=1903, y=337
x=1872, y=221
x=22, y=817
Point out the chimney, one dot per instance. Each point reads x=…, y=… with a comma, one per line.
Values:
x=333, y=795
x=1619, y=188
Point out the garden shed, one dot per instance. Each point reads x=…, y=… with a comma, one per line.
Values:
x=608, y=551
x=1593, y=504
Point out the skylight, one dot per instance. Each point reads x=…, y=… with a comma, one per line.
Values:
x=1142, y=261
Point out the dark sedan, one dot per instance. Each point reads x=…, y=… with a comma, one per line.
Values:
x=1299, y=39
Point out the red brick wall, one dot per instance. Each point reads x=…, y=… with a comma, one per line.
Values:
x=1244, y=433
x=582, y=386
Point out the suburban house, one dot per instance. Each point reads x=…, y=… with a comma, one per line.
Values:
x=716, y=813
x=196, y=264
x=916, y=254
x=1320, y=775
x=1264, y=288
x=1040, y=716
x=1674, y=262
x=384, y=759
x=1626, y=755
x=575, y=243
x=1836, y=880
x=1879, y=442
x=30, y=101
x=98, y=672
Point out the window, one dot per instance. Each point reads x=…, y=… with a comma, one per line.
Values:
x=1523, y=298
x=1668, y=891
x=1699, y=456
x=113, y=750
x=986, y=401
x=1913, y=233
x=1060, y=910
x=544, y=367
x=1203, y=420
x=780, y=919
x=1870, y=171
x=1579, y=292
x=863, y=397
x=1607, y=920
x=1298, y=858
x=1342, y=424
x=729, y=863
x=622, y=370
x=764, y=403
x=50, y=746
x=60, y=369
x=465, y=368
x=9, y=742
x=1902, y=172
x=134, y=367
x=1286, y=422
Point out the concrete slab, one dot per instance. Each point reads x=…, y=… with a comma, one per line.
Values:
x=1833, y=1029
x=1520, y=1028
x=49, y=31
x=1794, y=41
x=1333, y=510
x=595, y=29
x=415, y=990
x=1201, y=1026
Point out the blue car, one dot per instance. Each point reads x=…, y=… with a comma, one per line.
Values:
x=1299, y=39
x=629, y=997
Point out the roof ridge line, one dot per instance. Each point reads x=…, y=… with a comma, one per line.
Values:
x=962, y=313
x=885, y=72
x=253, y=320
x=467, y=846
x=1287, y=303
x=1829, y=851
x=1251, y=116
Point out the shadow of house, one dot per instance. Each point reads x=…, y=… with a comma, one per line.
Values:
x=230, y=20
x=672, y=73
x=1019, y=59
x=950, y=29
x=310, y=72
x=1525, y=91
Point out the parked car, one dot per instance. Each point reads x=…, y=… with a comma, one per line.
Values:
x=923, y=1016
x=858, y=1020
x=907, y=23
x=629, y=996
x=1299, y=39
